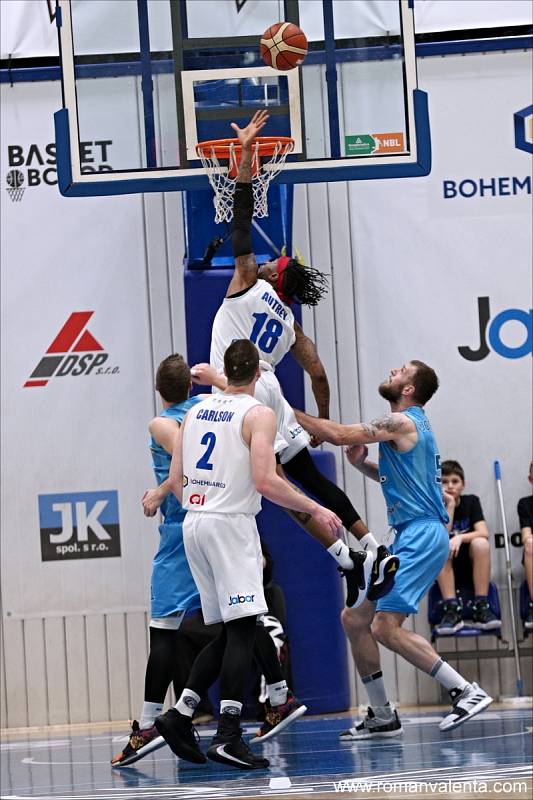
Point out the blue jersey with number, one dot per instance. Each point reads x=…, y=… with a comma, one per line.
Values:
x=411, y=481
x=170, y=508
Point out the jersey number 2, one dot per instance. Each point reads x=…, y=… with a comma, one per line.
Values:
x=210, y=440
x=270, y=336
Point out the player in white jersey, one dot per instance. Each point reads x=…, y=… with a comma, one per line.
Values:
x=257, y=307
x=223, y=461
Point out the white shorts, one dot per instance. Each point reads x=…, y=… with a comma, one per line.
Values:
x=268, y=391
x=224, y=554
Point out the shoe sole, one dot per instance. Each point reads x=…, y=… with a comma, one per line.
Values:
x=377, y=735
x=367, y=572
x=461, y=721
x=387, y=574
x=178, y=747
x=298, y=712
x=151, y=747
x=450, y=631
x=486, y=626
x=259, y=763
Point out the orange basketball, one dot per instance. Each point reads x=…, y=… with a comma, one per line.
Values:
x=283, y=46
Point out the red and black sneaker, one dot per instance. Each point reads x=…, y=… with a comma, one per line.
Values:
x=142, y=741
x=279, y=717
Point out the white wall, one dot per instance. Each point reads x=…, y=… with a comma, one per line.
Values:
x=26, y=32
x=407, y=267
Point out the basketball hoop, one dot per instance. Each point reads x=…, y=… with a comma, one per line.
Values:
x=268, y=159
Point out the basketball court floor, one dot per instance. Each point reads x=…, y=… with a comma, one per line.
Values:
x=491, y=756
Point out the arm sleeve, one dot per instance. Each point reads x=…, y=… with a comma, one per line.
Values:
x=243, y=206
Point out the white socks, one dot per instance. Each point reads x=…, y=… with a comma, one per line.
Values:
x=369, y=543
x=277, y=693
x=447, y=676
x=377, y=695
x=187, y=703
x=148, y=714
x=341, y=553
x=232, y=707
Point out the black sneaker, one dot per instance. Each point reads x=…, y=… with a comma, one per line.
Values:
x=483, y=617
x=141, y=742
x=279, y=717
x=383, y=575
x=373, y=727
x=451, y=621
x=228, y=747
x=358, y=578
x=528, y=622
x=179, y=733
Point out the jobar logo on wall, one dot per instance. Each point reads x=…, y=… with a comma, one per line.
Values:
x=80, y=525
x=74, y=352
x=35, y=165
x=494, y=333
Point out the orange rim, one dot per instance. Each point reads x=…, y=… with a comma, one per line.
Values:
x=266, y=146
x=263, y=146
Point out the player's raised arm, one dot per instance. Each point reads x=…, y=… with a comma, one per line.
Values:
x=245, y=274
x=394, y=426
x=305, y=352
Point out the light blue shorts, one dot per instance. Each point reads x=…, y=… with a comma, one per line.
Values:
x=173, y=587
x=422, y=547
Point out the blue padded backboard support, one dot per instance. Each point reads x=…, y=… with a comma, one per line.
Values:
x=314, y=594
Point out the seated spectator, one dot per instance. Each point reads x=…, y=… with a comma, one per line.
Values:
x=525, y=515
x=469, y=562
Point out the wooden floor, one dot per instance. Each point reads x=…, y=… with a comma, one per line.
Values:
x=489, y=757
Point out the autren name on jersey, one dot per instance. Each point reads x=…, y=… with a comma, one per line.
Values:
x=215, y=416
x=275, y=305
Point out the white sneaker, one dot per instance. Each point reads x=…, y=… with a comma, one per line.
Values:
x=466, y=704
x=373, y=727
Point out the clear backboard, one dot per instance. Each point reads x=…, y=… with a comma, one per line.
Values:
x=149, y=79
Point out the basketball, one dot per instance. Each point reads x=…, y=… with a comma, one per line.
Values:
x=283, y=46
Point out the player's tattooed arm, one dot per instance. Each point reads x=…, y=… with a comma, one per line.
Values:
x=389, y=427
x=305, y=352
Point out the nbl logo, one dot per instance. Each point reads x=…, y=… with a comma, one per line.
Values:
x=74, y=351
x=15, y=188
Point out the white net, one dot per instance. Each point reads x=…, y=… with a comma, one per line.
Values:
x=223, y=184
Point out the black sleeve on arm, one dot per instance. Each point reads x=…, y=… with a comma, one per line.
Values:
x=243, y=206
x=476, y=512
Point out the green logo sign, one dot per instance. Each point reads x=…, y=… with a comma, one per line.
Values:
x=359, y=145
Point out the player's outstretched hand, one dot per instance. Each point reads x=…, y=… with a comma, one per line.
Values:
x=327, y=518
x=356, y=453
x=204, y=374
x=247, y=135
x=151, y=500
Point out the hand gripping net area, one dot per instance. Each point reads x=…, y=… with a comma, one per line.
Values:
x=266, y=151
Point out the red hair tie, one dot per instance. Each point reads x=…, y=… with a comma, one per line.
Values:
x=281, y=267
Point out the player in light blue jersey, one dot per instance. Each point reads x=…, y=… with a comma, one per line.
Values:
x=410, y=476
x=173, y=591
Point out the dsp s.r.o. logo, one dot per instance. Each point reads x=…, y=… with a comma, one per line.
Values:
x=492, y=332
x=197, y=499
x=74, y=351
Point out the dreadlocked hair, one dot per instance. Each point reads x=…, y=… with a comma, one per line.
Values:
x=305, y=285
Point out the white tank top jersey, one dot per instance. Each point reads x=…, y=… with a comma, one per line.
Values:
x=256, y=314
x=217, y=470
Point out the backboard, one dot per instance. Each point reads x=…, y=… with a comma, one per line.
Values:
x=149, y=79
